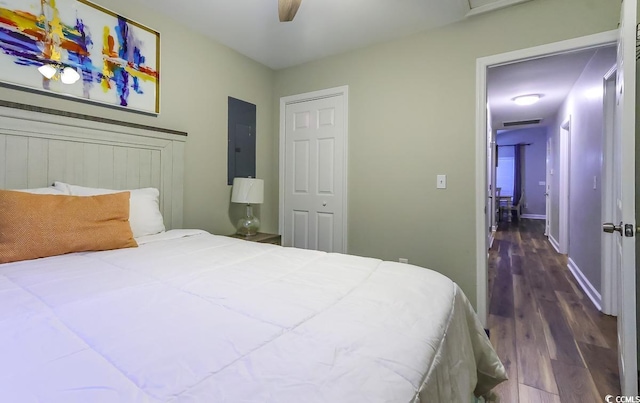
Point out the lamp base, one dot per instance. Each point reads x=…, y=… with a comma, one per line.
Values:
x=248, y=225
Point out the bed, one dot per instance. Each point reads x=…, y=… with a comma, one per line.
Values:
x=187, y=316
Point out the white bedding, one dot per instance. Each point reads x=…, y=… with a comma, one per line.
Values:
x=193, y=317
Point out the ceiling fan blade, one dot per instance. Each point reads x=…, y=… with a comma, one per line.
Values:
x=287, y=9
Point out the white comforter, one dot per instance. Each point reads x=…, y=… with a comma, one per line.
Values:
x=204, y=318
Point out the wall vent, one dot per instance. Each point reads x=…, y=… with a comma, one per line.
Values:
x=522, y=122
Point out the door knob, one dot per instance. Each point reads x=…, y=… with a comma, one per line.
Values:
x=611, y=227
x=324, y=203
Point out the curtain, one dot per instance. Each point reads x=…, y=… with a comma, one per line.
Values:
x=517, y=173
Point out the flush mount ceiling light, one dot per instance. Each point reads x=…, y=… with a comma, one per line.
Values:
x=287, y=9
x=527, y=99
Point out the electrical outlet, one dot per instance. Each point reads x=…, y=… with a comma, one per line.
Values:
x=403, y=260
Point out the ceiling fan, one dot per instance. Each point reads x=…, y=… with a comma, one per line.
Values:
x=287, y=9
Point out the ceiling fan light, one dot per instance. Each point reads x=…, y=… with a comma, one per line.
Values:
x=69, y=75
x=47, y=70
x=287, y=9
x=527, y=99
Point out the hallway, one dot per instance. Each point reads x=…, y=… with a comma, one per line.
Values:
x=556, y=346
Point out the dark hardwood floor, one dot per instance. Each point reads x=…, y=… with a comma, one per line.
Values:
x=556, y=346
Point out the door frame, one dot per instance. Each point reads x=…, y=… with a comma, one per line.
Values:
x=565, y=184
x=491, y=224
x=482, y=65
x=547, y=187
x=311, y=96
x=609, y=257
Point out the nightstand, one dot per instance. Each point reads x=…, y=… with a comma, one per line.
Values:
x=260, y=237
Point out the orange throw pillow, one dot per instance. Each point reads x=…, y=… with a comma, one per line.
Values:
x=35, y=225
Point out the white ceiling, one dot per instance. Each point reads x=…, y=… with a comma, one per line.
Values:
x=321, y=27
x=552, y=76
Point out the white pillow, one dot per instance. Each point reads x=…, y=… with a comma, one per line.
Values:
x=145, y=217
x=44, y=191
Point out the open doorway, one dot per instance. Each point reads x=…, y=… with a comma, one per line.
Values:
x=569, y=110
x=563, y=84
x=520, y=173
x=483, y=67
x=564, y=188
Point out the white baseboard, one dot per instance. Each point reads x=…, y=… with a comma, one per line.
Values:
x=534, y=216
x=585, y=284
x=554, y=243
x=492, y=237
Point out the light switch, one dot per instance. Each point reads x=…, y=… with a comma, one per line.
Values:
x=595, y=182
x=441, y=181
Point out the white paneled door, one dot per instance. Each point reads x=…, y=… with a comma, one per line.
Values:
x=619, y=171
x=314, y=181
x=623, y=227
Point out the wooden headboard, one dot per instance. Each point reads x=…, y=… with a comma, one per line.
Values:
x=39, y=146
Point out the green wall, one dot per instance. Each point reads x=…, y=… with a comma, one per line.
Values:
x=412, y=116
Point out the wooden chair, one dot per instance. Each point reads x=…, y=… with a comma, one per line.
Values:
x=497, y=199
x=510, y=207
x=503, y=204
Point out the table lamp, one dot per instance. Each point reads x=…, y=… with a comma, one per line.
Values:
x=248, y=191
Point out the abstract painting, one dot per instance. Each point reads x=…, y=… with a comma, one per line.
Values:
x=79, y=49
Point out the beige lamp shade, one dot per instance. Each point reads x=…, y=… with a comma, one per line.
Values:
x=247, y=191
